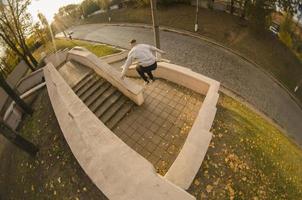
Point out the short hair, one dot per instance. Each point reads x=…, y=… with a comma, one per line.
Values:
x=132, y=41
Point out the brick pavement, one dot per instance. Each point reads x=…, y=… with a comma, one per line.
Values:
x=157, y=130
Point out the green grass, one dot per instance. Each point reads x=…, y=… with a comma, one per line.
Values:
x=97, y=49
x=248, y=158
x=264, y=49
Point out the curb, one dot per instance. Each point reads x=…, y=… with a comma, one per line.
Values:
x=122, y=49
x=198, y=36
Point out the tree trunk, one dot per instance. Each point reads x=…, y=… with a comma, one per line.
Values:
x=29, y=64
x=243, y=14
x=18, y=140
x=14, y=96
x=32, y=58
x=232, y=7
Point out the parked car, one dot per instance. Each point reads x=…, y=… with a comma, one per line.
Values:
x=274, y=28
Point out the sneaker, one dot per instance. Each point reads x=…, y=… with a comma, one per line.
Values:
x=146, y=83
x=152, y=80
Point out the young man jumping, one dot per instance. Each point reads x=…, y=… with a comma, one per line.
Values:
x=144, y=54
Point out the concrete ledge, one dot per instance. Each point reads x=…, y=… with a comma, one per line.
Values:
x=117, y=170
x=188, y=162
x=57, y=58
x=126, y=86
x=29, y=81
x=115, y=57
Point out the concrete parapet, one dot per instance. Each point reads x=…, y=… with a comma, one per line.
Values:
x=187, y=163
x=126, y=86
x=116, y=169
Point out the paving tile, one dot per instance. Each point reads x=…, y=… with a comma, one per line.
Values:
x=151, y=146
x=156, y=139
x=158, y=129
x=153, y=159
x=143, y=141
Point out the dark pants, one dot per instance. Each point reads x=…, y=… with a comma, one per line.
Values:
x=142, y=70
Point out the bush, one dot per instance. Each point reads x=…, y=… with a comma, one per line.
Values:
x=286, y=39
x=142, y=3
x=286, y=28
x=170, y=2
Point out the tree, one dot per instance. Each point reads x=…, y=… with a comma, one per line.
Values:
x=8, y=61
x=70, y=10
x=45, y=25
x=14, y=95
x=89, y=6
x=15, y=22
x=104, y=4
x=3, y=69
x=59, y=24
x=17, y=140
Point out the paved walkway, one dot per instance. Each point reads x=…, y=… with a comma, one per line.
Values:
x=215, y=62
x=158, y=129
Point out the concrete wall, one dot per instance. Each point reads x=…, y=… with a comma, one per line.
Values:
x=28, y=87
x=188, y=161
x=116, y=169
x=126, y=86
x=12, y=79
x=29, y=81
x=57, y=59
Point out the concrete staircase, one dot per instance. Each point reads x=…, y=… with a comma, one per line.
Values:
x=104, y=100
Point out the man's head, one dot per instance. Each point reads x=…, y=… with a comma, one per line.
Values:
x=132, y=42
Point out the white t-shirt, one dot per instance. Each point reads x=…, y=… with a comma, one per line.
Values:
x=143, y=53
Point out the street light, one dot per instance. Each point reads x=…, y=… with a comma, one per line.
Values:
x=155, y=23
x=196, y=18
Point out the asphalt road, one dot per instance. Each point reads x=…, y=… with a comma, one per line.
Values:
x=215, y=62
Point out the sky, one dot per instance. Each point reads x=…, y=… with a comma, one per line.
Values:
x=48, y=7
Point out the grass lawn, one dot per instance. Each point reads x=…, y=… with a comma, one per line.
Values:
x=97, y=49
x=248, y=159
x=265, y=49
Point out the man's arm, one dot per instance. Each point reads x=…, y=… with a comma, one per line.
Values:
x=126, y=65
x=156, y=49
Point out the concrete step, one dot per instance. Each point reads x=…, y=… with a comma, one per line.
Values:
x=87, y=86
x=82, y=82
x=120, y=114
x=91, y=99
x=96, y=104
x=114, y=108
x=92, y=90
x=108, y=103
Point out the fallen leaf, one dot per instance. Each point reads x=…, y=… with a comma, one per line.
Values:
x=209, y=188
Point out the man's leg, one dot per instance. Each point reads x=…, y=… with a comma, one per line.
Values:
x=140, y=71
x=150, y=75
x=150, y=69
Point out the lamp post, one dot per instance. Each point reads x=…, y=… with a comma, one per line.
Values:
x=196, y=18
x=155, y=23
